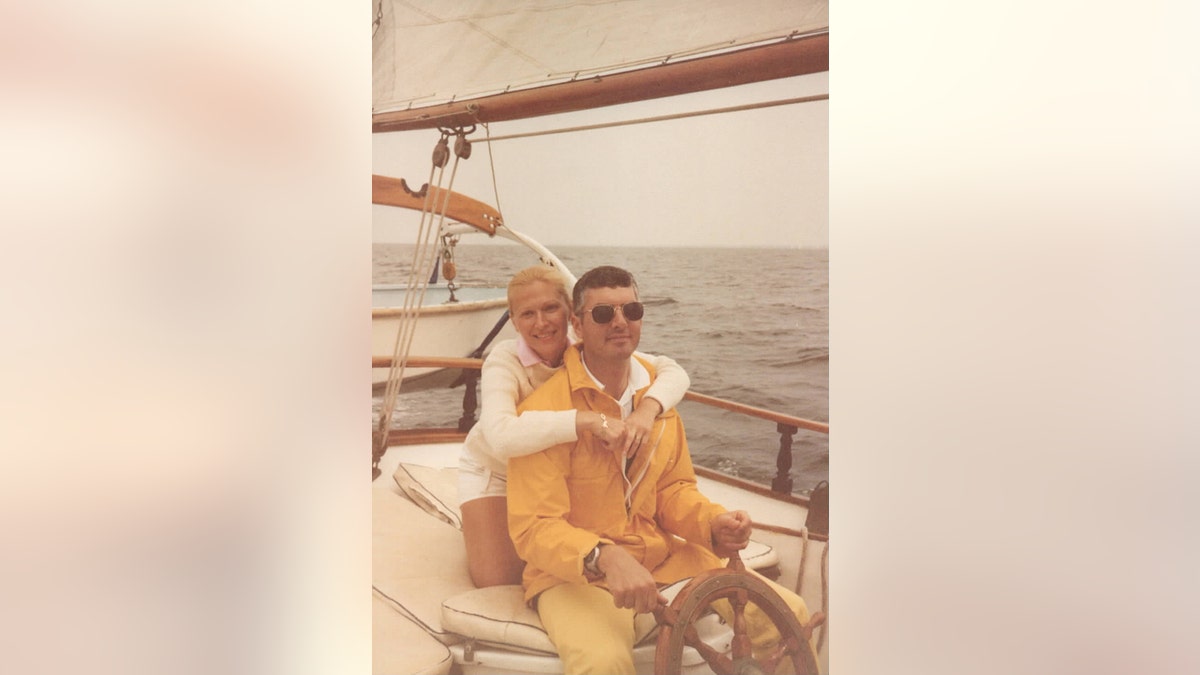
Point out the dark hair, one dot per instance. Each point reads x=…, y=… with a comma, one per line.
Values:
x=604, y=276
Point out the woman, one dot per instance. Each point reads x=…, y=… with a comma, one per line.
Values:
x=539, y=304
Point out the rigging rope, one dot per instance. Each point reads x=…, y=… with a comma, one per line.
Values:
x=418, y=280
x=803, y=558
x=378, y=19
x=824, y=594
x=492, y=163
x=662, y=118
x=824, y=580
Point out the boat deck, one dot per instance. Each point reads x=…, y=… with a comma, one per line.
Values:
x=778, y=523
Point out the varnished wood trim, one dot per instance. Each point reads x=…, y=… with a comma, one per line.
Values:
x=788, y=58
x=422, y=436
x=461, y=208
x=430, y=362
x=778, y=418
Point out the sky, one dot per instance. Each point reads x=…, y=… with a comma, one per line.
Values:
x=751, y=178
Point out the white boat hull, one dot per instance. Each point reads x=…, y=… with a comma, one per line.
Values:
x=445, y=330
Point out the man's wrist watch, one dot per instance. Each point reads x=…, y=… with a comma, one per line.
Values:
x=590, y=563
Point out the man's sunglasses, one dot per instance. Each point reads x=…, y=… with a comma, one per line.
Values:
x=632, y=311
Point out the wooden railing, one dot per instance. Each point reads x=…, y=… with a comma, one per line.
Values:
x=429, y=362
x=771, y=415
x=786, y=425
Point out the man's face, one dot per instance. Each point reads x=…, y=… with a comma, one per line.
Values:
x=607, y=342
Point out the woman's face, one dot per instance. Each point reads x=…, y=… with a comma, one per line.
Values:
x=540, y=316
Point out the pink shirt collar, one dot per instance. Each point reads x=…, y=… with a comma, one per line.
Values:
x=526, y=354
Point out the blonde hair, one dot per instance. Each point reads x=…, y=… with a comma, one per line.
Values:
x=545, y=273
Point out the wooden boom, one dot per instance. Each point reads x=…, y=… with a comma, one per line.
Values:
x=395, y=192
x=788, y=58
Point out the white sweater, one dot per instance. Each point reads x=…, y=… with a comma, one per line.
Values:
x=501, y=433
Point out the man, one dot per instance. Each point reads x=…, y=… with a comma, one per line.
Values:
x=600, y=532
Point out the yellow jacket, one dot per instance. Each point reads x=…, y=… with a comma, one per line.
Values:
x=566, y=499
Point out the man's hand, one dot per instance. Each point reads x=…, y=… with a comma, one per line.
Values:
x=731, y=532
x=630, y=583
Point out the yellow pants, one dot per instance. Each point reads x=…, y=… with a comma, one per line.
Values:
x=593, y=635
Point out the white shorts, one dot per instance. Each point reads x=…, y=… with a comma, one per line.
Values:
x=476, y=480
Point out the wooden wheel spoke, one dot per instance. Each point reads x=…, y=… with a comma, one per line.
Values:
x=666, y=616
x=742, y=646
x=786, y=648
x=720, y=663
x=813, y=623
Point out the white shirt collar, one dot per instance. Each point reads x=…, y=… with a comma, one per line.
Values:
x=639, y=377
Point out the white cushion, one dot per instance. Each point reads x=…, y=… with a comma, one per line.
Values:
x=497, y=615
x=400, y=647
x=758, y=556
x=417, y=561
x=435, y=490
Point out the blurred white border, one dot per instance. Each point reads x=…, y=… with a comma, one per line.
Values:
x=185, y=260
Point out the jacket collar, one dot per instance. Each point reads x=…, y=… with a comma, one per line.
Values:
x=579, y=377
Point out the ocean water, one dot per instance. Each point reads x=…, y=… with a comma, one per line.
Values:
x=748, y=325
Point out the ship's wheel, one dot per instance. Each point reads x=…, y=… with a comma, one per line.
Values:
x=739, y=587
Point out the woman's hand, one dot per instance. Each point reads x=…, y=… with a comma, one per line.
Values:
x=610, y=431
x=639, y=425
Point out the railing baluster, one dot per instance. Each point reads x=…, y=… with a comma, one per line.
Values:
x=782, y=481
x=470, y=399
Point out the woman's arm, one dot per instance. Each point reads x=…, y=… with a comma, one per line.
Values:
x=508, y=434
x=671, y=382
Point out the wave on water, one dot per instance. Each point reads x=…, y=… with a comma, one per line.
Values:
x=815, y=358
x=659, y=302
x=806, y=356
